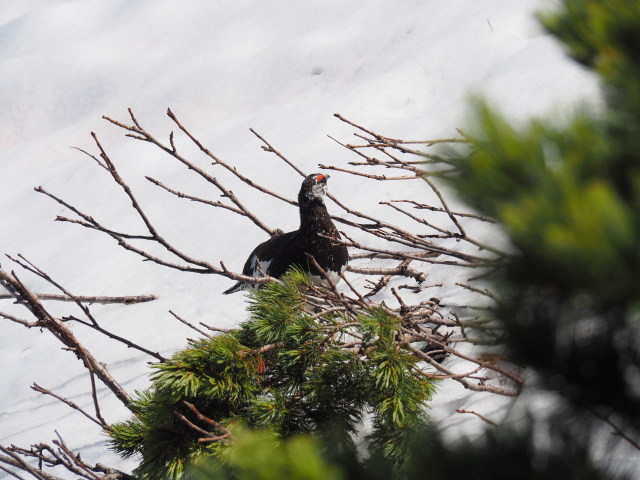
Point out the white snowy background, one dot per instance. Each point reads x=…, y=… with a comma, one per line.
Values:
x=405, y=69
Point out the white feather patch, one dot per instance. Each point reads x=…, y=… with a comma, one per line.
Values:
x=259, y=268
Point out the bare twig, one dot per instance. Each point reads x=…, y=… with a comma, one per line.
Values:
x=480, y=416
x=367, y=175
x=15, y=460
x=99, y=421
x=10, y=472
x=190, y=325
x=617, y=429
x=226, y=436
x=462, y=380
x=484, y=292
x=208, y=420
x=424, y=206
x=82, y=468
x=269, y=148
x=15, y=319
x=195, y=199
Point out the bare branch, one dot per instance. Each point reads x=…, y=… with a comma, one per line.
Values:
x=20, y=320
x=617, y=429
x=195, y=199
x=10, y=472
x=82, y=469
x=92, y=322
x=60, y=331
x=14, y=460
x=143, y=135
x=367, y=175
x=462, y=380
x=71, y=404
x=481, y=417
x=218, y=161
x=424, y=206
x=190, y=325
x=208, y=420
x=127, y=300
x=269, y=148
x=208, y=436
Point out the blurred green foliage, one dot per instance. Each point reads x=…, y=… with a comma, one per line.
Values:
x=263, y=455
x=567, y=193
x=554, y=190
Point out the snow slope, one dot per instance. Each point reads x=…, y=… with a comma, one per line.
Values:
x=404, y=69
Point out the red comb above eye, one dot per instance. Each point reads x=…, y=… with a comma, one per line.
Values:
x=319, y=178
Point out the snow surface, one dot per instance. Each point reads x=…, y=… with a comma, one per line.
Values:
x=402, y=68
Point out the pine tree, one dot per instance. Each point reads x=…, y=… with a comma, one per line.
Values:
x=284, y=369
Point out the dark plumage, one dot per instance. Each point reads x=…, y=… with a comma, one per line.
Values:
x=280, y=252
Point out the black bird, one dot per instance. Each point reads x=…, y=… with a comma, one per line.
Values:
x=280, y=252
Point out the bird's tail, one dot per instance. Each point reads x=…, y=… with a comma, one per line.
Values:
x=236, y=288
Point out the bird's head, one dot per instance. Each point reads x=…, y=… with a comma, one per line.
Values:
x=314, y=187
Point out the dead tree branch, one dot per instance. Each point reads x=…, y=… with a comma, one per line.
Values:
x=617, y=429
x=91, y=321
x=480, y=416
x=127, y=300
x=99, y=420
x=207, y=437
x=59, y=455
x=61, y=332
